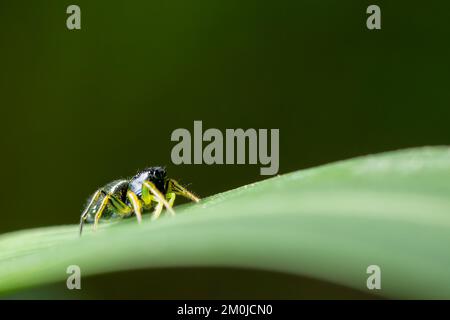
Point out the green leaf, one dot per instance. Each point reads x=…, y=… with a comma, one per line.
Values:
x=329, y=223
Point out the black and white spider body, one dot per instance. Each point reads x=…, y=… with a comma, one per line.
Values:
x=148, y=190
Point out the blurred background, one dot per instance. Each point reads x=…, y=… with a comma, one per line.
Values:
x=81, y=108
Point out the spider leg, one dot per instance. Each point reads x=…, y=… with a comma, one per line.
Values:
x=157, y=211
x=175, y=187
x=119, y=205
x=170, y=196
x=136, y=204
x=149, y=190
x=85, y=212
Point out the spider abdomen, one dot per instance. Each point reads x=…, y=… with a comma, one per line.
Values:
x=117, y=188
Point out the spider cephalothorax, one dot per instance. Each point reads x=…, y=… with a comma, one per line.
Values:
x=157, y=175
x=149, y=189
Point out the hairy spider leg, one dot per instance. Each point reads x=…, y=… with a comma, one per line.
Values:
x=151, y=193
x=170, y=196
x=178, y=189
x=174, y=189
x=158, y=208
x=157, y=211
x=136, y=204
x=119, y=205
x=122, y=208
x=85, y=212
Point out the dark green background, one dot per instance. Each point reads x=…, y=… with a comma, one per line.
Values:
x=81, y=108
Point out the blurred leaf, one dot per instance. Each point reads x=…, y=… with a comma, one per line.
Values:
x=329, y=223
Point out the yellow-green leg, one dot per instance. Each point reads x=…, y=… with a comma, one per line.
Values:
x=85, y=212
x=157, y=211
x=122, y=208
x=177, y=188
x=151, y=193
x=136, y=204
x=170, y=196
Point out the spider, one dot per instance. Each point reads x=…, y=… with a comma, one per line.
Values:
x=148, y=189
